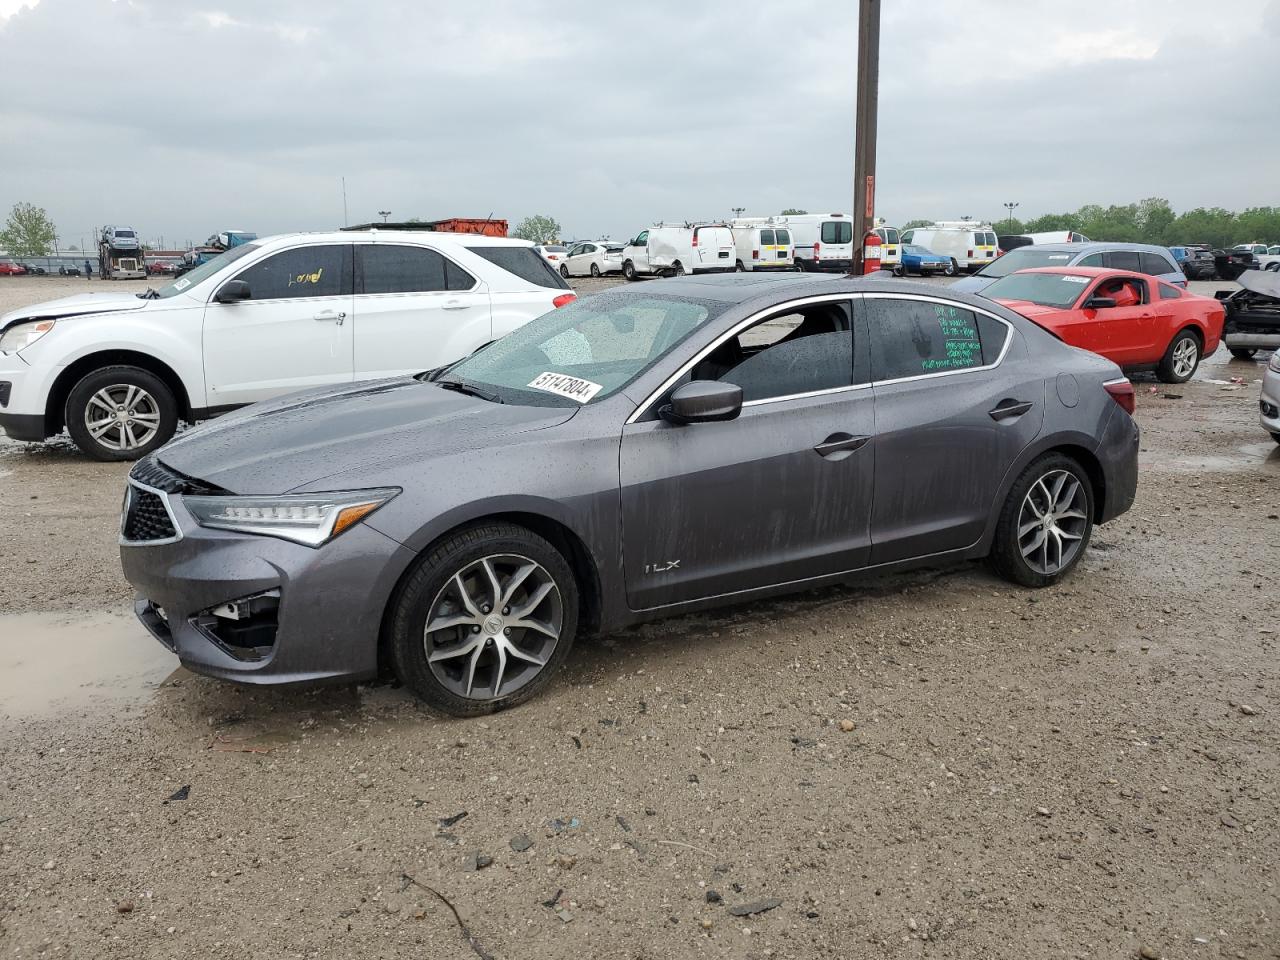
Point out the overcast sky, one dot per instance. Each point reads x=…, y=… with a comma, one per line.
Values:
x=182, y=119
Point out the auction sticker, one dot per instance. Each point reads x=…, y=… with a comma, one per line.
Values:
x=181, y=284
x=575, y=388
x=1071, y=278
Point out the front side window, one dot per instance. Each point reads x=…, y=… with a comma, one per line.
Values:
x=396, y=268
x=837, y=231
x=912, y=338
x=799, y=351
x=601, y=342
x=322, y=270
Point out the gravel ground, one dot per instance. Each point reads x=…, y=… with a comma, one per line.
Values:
x=936, y=765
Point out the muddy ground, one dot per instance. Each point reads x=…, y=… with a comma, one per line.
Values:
x=1083, y=771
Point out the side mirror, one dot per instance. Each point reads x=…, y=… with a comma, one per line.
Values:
x=233, y=291
x=703, y=401
x=1099, y=303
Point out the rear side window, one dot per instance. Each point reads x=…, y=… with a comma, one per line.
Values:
x=525, y=262
x=1169, y=293
x=1153, y=264
x=784, y=236
x=1124, y=260
x=322, y=270
x=766, y=236
x=910, y=338
x=387, y=268
x=837, y=231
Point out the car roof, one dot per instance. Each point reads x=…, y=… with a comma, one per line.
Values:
x=439, y=238
x=739, y=288
x=1072, y=271
x=1093, y=246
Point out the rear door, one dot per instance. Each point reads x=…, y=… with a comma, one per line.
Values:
x=294, y=332
x=955, y=403
x=415, y=309
x=1156, y=265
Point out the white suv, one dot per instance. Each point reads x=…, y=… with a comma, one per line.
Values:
x=270, y=317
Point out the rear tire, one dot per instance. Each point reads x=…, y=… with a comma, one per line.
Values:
x=488, y=562
x=595, y=270
x=677, y=269
x=1243, y=353
x=899, y=271
x=1181, y=359
x=1031, y=550
x=121, y=413
x=564, y=271
x=739, y=268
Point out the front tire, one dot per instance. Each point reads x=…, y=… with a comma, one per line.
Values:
x=1243, y=353
x=952, y=269
x=121, y=413
x=629, y=270
x=484, y=620
x=1181, y=359
x=899, y=271
x=1045, y=523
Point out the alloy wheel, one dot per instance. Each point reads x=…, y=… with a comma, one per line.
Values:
x=1052, y=522
x=493, y=626
x=122, y=416
x=1185, y=355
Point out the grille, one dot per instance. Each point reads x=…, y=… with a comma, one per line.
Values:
x=147, y=518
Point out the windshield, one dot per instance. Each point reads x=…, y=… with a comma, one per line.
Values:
x=586, y=351
x=555, y=248
x=1046, y=289
x=1022, y=258
x=204, y=271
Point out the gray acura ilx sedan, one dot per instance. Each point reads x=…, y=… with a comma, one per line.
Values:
x=640, y=453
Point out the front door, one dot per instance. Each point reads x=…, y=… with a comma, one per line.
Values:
x=1123, y=333
x=415, y=309
x=294, y=331
x=951, y=417
x=639, y=252
x=780, y=494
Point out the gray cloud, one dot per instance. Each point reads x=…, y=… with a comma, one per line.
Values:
x=243, y=114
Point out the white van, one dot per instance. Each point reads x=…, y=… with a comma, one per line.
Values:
x=823, y=241
x=762, y=243
x=1057, y=236
x=673, y=251
x=890, y=246
x=969, y=244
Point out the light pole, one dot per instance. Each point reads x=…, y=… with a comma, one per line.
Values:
x=864, y=161
x=738, y=211
x=384, y=214
x=1011, y=207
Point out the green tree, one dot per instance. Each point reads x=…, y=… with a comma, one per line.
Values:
x=794, y=212
x=912, y=224
x=538, y=228
x=29, y=231
x=1156, y=219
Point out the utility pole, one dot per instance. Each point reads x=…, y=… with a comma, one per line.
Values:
x=864, y=147
x=1011, y=207
x=346, y=221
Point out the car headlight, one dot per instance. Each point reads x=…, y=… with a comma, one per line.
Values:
x=311, y=519
x=22, y=335
x=1274, y=363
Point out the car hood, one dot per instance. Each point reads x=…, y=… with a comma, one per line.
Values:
x=972, y=284
x=73, y=306
x=283, y=444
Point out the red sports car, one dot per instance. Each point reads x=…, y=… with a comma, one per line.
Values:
x=1135, y=320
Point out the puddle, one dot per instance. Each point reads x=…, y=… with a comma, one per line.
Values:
x=1257, y=456
x=54, y=663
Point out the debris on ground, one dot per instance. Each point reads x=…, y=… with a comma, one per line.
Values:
x=462, y=926
x=713, y=896
x=554, y=899
x=758, y=906
x=559, y=826
x=477, y=861
x=521, y=843
x=447, y=822
x=847, y=726
x=180, y=794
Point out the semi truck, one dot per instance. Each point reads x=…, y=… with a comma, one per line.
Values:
x=120, y=254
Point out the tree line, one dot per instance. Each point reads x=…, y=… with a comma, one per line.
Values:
x=1151, y=221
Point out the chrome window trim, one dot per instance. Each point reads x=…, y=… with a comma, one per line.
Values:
x=168, y=508
x=925, y=298
x=733, y=331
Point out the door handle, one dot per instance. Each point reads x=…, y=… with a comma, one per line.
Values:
x=334, y=315
x=454, y=304
x=839, y=445
x=1008, y=409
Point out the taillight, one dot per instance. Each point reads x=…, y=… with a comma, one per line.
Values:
x=755, y=254
x=1122, y=393
x=566, y=298
x=695, y=240
x=970, y=253
x=816, y=247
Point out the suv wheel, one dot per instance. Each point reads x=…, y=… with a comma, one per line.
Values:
x=484, y=620
x=1181, y=359
x=121, y=413
x=1243, y=353
x=1045, y=524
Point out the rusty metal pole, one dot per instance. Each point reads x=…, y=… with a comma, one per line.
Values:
x=864, y=149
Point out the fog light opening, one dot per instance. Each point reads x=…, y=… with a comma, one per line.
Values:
x=244, y=628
